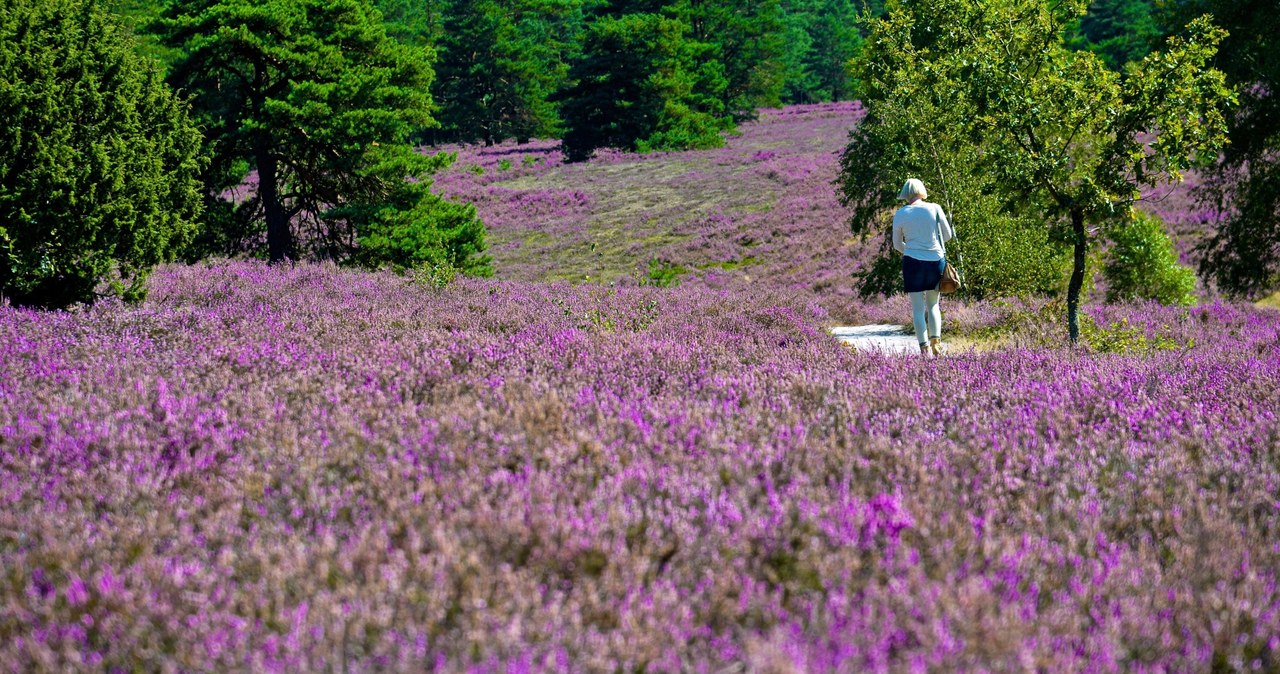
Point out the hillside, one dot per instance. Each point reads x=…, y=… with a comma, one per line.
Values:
x=760, y=212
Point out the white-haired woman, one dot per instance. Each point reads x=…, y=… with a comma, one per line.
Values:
x=920, y=229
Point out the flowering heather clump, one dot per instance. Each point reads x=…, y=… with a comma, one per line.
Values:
x=312, y=469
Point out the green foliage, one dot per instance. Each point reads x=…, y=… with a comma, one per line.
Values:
x=1118, y=31
x=1142, y=264
x=98, y=158
x=500, y=62
x=820, y=38
x=984, y=95
x=408, y=225
x=413, y=22
x=134, y=15
x=638, y=86
x=663, y=273
x=316, y=98
x=1123, y=337
x=1243, y=255
x=1038, y=326
x=434, y=275
x=743, y=40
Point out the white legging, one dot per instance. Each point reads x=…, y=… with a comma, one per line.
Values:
x=925, y=311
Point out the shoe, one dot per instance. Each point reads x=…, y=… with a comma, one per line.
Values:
x=925, y=351
x=935, y=345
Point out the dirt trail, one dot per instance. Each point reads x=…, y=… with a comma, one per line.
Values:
x=884, y=338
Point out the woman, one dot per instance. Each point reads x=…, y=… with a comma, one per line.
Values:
x=919, y=231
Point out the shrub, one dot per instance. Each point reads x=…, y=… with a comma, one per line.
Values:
x=1142, y=264
x=98, y=158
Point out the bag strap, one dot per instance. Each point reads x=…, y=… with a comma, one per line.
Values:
x=937, y=225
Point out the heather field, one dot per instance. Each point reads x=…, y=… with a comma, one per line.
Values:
x=314, y=469
x=760, y=211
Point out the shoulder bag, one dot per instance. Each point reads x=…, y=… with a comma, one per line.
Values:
x=950, y=281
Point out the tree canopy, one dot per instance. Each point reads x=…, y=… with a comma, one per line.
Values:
x=98, y=159
x=1243, y=254
x=501, y=61
x=984, y=94
x=1118, y=31
x=743, y=39
x=318, y=102
x=641, y=85
x=820, y=38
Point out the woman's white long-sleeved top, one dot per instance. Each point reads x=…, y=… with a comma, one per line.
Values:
x=920, y=229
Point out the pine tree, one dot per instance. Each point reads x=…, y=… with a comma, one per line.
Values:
x=822, y=39
x=501, y=60
x=1118, y=31
x=98, y=158
x=316, y=98
x=744, y=40
x=638, y=86
x=414, y=22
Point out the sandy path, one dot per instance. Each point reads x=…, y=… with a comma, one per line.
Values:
x=885, y=338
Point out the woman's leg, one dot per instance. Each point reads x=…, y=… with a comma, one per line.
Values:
x=918, y=316
x=932, y=312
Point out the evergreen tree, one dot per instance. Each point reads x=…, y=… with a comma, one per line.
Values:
x=822, y=38
x=98, y=159
x=134, y=15
x=1118, y=31
x=638, y=86
x=501, y=61
x=836, y=41
x=800, y=85
x=316, y=98
x=744, y=38
x=414, y=22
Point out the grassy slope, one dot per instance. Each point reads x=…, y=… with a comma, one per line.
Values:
x=760, y=210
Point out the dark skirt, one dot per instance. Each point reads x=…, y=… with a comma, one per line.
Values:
x=921, y=275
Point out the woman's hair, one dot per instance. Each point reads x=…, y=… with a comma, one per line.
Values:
x=913, y=188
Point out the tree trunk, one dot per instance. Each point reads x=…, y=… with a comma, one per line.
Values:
x=1077, y=275
x=279, y=237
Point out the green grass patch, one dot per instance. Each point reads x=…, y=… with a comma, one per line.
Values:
x=1270, y=302
x=730, y=265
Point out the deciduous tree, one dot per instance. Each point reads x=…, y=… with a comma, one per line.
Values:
x=1243, y=254
x=1037, y=130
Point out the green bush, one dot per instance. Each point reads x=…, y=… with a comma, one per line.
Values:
x=663, y=273
x=1123, y=337
x=99, y=161
x=1142, y=264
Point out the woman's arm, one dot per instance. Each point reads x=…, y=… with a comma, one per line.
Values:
x=899, y=243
